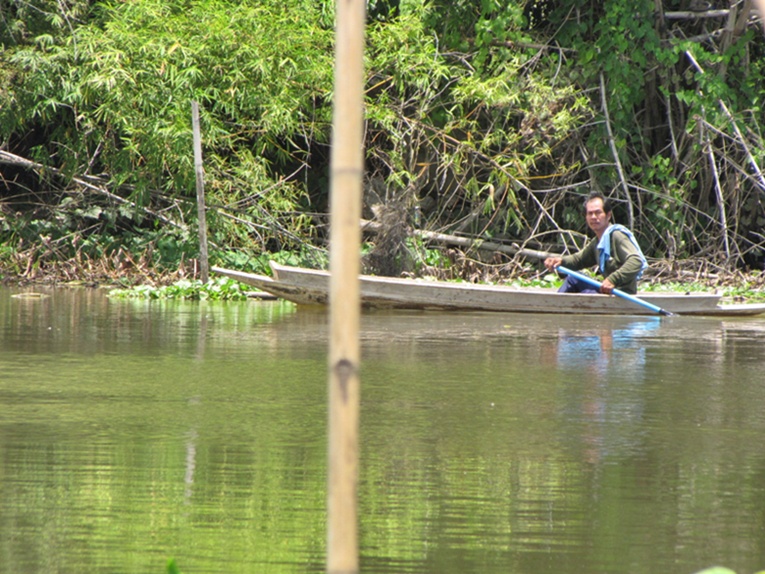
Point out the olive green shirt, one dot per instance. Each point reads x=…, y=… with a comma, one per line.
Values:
x=622, y=268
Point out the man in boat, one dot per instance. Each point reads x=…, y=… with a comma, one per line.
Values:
x=614, y=250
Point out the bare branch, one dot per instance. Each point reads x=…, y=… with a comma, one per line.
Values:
x=100, y=188
x=615, y=152
x=691, y=15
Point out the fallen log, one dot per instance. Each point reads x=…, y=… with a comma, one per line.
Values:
x=466, y=242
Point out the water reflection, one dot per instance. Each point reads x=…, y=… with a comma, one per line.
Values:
x=593, y=349
x=132, y=431
x=603, y=370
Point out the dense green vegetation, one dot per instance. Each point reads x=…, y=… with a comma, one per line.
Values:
x=217, y=289
x=485, y=119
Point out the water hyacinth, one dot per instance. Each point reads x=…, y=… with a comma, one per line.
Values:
x=217, y=289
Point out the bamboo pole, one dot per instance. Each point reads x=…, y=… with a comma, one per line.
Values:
x=346, y=174
x=201, y=209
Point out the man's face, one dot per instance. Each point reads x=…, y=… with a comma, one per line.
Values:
x=597, y=219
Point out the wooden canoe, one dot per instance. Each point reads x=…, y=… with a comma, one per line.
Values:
x=311, y=287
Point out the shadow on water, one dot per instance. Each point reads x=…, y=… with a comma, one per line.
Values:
x=133, y=431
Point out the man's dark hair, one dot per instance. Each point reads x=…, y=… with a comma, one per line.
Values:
x=597, y=195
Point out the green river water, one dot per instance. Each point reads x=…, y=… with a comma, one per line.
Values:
x=132, y=432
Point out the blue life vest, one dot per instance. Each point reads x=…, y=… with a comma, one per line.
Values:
x=604, y=247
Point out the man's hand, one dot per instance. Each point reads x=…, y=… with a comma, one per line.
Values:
x=607, y=287
x=552, y=262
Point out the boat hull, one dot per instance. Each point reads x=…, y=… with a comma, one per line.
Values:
x=311, y=287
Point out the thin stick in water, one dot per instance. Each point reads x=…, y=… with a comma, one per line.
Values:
x=201, y=209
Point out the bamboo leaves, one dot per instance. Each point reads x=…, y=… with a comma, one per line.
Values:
x=118, y=91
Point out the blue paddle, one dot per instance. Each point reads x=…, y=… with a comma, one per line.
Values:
x=617, y=292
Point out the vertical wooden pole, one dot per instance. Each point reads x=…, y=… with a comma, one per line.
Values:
x=346, y=173
x=201, y=209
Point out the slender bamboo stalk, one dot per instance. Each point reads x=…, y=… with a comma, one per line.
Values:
x=658, y=10
x=615, y=152
x=719, y=193
x=346, y=174
x=201, y=209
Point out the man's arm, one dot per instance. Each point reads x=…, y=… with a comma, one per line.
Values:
x=587, y=257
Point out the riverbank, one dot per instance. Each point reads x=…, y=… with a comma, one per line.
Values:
x=124, y=272
x=121, y=270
